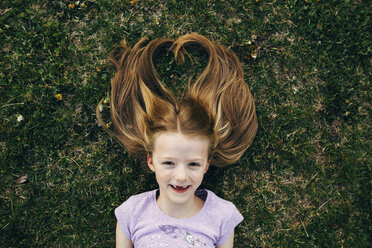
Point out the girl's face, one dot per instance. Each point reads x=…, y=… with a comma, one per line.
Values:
x=179, y=163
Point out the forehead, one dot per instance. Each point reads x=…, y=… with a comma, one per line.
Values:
x=177, y=144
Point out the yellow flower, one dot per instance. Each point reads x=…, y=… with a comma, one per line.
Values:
x=105, y=102
x=71, y=5
x=98, y=69
x=59, y=97
x=254, y=55
x=347, y=101
x=133, y=1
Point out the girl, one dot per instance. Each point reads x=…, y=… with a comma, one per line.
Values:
x=213, y=123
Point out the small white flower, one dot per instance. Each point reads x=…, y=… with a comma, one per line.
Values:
x=100, y=108
x=20, y=118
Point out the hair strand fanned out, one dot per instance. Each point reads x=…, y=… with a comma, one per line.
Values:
x=218, y=104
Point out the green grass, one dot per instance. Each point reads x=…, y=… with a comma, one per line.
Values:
x=304, y=182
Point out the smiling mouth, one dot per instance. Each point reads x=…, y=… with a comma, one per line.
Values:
x=180, y=189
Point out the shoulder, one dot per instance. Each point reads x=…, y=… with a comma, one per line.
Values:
x=219, y=203
x=219, y=210
x=222, y=214
x=135, y=202
x=132, y=210
x=145, y=196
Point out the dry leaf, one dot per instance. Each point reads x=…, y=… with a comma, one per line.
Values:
x=22, y=179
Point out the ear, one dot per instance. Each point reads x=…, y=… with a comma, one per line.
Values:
x=150, y=162
x=207, y=167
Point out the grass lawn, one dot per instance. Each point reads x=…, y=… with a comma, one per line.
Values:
x=304, y=182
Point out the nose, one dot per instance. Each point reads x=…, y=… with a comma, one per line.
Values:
x=181, y=174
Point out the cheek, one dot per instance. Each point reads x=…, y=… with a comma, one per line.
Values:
x=198, y=176
x=162, y=176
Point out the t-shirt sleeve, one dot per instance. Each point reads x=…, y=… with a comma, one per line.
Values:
x=123, y=217
x=233, y=218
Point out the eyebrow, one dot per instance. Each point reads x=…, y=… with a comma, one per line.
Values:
x=167, y=157
x=172, y=158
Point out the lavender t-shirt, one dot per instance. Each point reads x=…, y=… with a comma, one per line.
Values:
x=146, y=225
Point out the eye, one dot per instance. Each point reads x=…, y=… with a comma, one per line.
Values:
x=194, y=164
x=168, y=163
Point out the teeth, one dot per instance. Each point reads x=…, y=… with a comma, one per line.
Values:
x=182, y=187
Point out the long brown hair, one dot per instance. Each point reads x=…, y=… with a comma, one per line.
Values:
x=217, y=105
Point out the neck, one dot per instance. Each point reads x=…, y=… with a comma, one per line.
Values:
x=181, y=211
